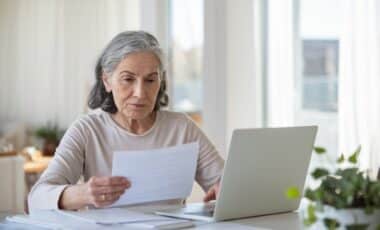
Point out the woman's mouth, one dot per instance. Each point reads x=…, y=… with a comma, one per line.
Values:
x=137, y=106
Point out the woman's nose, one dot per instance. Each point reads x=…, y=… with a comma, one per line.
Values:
x=139, y=90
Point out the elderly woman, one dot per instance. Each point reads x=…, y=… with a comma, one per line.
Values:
x=130, y=89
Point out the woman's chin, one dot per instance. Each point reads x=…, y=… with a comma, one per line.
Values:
x=137, y=115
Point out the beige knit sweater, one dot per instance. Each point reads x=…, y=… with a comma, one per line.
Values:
x=87, y=147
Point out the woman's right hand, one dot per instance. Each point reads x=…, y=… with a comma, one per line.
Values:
x=97, y=191
x=104, y=191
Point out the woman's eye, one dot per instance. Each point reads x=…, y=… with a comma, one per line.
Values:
x=149, y=80
x=128, y=79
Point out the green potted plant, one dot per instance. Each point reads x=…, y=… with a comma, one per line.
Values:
x=344, y=199
x=51, y=134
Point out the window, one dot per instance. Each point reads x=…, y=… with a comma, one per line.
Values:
x=303, y=69
x=186, y=57
x=185, y=54
x=318, y=92
x=320, y=75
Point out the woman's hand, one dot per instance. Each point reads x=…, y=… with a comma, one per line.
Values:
x=97, y=191
x=104, y=191
x=212, y=193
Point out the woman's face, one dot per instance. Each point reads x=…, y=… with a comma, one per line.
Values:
x=135, y=84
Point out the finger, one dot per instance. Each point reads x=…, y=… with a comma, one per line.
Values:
x=99, y=190
x=209, y=196
x=114, y=180
x=108, y=200
x=107, y=197
x=101, y=201
x=216, y=192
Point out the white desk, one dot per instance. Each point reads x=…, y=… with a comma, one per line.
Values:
x=286, y=221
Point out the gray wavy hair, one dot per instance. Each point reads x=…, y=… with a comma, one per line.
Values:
x=119, y=47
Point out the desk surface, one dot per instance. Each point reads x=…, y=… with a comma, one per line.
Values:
x=286, y=221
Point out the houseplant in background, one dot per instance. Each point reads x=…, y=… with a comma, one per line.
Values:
x=51, y=134
x=344, y=199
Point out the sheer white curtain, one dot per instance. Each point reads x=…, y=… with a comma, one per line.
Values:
x=48, y=53
x=359, y=94
x=282, y=49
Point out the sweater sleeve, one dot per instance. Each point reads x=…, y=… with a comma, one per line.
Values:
x=210, y=164
x=65, y=168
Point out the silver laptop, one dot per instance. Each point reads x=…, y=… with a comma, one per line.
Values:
x=261, y=165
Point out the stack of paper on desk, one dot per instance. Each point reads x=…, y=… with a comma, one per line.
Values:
x=112, y=216
x=123, y=216
x=98, y=219
x=27, y=220
x=158, y=174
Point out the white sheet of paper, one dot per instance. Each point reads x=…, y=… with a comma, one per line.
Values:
x=114, y=216
x=157, y=174
x=95, y=219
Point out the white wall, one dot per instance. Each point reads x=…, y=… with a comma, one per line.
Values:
x=49, y=49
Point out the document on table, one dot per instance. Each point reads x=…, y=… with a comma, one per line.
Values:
x=110, y=216
x=96, y=219
x=156, y=174
x=120, y=216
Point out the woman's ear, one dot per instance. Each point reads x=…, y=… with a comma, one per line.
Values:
x=107, y=82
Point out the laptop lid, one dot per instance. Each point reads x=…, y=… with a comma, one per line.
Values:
x=261, y=165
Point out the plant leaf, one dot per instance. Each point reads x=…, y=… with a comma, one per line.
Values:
x=319, y=172
x=340, y=159
x=307, y=222
x=319, y=150
x=311, y=217
x=354, y=157
x=348, y=173
x=311, y=212
x=331, y=224
x=293, y=193
x=50, y=132
x=310, y=194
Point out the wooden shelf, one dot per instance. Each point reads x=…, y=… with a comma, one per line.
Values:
x=7, y=154
x=37, y=165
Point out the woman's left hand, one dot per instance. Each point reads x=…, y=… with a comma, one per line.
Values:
x=212, y=193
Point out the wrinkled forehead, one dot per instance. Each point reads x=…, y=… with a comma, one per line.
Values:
x=140, y=63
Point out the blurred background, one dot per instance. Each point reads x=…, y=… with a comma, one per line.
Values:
x=231, y=64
